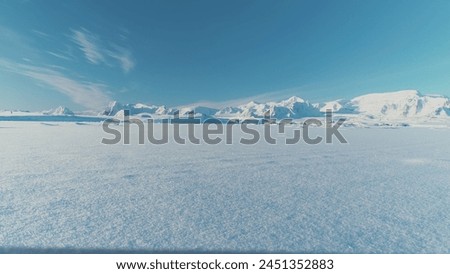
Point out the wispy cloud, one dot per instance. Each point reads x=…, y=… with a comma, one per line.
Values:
x=40, y=33
x=88, y=43
x=123, y=56
x=88, y=94
x=99, y=52
x=59, y=55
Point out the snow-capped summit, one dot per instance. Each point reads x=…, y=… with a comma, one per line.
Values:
x=407, y=103
x=115, y=107
x=292, y=100
x=294, y=107
x=59, y=111
x=112, y=108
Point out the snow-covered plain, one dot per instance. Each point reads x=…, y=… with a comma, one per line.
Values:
x=386, y=191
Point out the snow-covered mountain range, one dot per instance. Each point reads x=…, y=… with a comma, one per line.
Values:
x=393, y=105
x=293, y=107
x=407, y=106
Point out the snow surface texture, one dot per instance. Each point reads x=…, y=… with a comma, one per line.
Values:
x=387, y=191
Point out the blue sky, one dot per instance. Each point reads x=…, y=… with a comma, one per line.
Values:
x=83, y=54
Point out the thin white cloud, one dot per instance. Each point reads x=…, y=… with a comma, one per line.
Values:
x=88, y=43
x=58, y=55
x=96, y=53
x=40, y=33
x=124, y=57
x=88, y=94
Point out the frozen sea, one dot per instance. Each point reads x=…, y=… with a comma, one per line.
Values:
x=386, y=191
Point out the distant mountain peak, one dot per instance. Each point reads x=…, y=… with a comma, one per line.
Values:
x=114, y=107
x=59, y=111
x=293, y=99
x=405, y=103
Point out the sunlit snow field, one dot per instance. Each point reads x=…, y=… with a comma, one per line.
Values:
x=386, y=191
